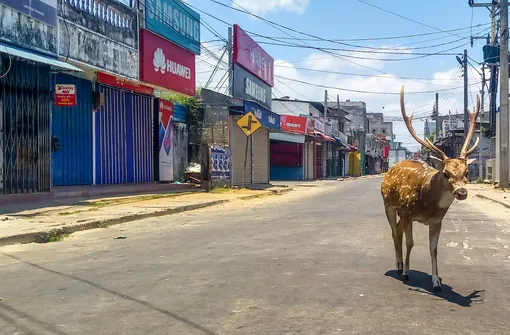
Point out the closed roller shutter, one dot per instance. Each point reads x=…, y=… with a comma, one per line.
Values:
x=237, y=147
x=261, y=156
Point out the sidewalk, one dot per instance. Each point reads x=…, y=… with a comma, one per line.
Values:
x=52, y=220
x=488, y=192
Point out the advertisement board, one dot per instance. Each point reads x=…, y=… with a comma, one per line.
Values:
x=293, y=124
x=65, y=95
x=44, y=11
x=247, y=86
x=175, y=21
x=248, y=54
x=220, y=162
x=165, y=148
x=266, y=118
x=165, y=64
x=123, y=83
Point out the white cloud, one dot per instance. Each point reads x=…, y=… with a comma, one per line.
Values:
x=448, y=84
x=262, y=7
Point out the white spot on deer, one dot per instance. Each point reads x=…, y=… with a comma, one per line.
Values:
x=452, y=244
x=506, y=247
x=465, y=245
x=466, y=257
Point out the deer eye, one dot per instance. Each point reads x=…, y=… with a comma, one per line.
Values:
x=446, y=175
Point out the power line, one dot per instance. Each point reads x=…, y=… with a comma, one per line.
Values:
x=405, y=18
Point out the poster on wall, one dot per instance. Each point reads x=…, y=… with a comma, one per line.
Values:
x=166, y=161
x=220, y=163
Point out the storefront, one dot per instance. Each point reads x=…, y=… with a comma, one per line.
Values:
x=288, y=148
x=170, y=67
x=252, y=81
x=255, y=148
x=123, y=136
x=28, y=59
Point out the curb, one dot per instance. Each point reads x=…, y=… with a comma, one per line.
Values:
x=481, y=196
x=44, y=236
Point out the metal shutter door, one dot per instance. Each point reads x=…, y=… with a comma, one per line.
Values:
x=238, y=147
x=261, y=156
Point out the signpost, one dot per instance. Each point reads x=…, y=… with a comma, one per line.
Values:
x=249, y=124
x=65, y=95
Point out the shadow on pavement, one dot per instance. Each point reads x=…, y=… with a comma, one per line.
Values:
x=120, y=295
x=422, y=282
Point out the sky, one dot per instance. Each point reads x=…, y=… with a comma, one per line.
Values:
x=376, y=55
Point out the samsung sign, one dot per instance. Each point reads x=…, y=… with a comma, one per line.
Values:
x=175, y=21
x=247, y=86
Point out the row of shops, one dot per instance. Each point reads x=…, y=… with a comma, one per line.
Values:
x=283, y=147
x=79, y=105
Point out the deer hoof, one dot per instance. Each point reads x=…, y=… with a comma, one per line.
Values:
x=400, y=272
x=438, y=289
x=406, y=277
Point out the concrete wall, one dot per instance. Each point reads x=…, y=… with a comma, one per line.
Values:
x=106, y=40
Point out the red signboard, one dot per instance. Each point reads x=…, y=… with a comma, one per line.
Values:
x=166, y=108
x=65, y=95
x=165, y=64
x=124, y=83
x=252, y=57
x=293, y=124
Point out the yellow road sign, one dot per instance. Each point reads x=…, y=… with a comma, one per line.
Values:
x=249, y=123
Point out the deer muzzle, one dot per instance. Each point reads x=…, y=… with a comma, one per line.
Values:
x=460, y=193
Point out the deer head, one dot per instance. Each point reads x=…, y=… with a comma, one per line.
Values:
x=454, y=170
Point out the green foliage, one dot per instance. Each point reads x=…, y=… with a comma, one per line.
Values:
x=430, y=138
x=194, y=115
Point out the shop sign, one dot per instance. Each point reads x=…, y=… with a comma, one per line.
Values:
x=248, y=54
x=123, y=83
x=165, y=64
x=44, y=11
x=293, y=124
x=319, y=126
x=247, y=86
x=166, y=157
x=65, y=95
x=266, y=118
x=175, y=21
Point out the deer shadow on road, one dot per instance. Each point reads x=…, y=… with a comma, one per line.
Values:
x=422, y=282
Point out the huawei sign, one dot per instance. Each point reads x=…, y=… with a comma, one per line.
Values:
x=165, y=64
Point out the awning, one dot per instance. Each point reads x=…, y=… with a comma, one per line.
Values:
x=325, y=137
x=286, y=137
x=341, y=143
x=37, y=58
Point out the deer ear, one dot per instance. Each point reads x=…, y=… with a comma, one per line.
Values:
x=471, y=160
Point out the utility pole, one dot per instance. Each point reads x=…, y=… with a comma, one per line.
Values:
x=466, y=116
x=325, y=105
x=436, y=114
x=504, y=172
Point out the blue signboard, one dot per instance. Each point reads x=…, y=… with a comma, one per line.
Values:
x=41, y=10
x=266, y=117
x=175, y=21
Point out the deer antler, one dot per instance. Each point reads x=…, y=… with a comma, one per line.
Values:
x=409, y=124
x=464, y=153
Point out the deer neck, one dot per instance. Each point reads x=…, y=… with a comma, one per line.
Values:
x=437, y=192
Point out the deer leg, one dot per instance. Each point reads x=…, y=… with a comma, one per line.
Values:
x=434, y=231
x=396, y=234
x=408, y=229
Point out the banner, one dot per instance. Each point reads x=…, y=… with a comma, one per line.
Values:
x=220, y=163
x=166, y=161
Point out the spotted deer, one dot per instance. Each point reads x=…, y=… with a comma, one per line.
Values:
x=418, y=192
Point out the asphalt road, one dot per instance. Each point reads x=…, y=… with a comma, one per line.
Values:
x=316, y=261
